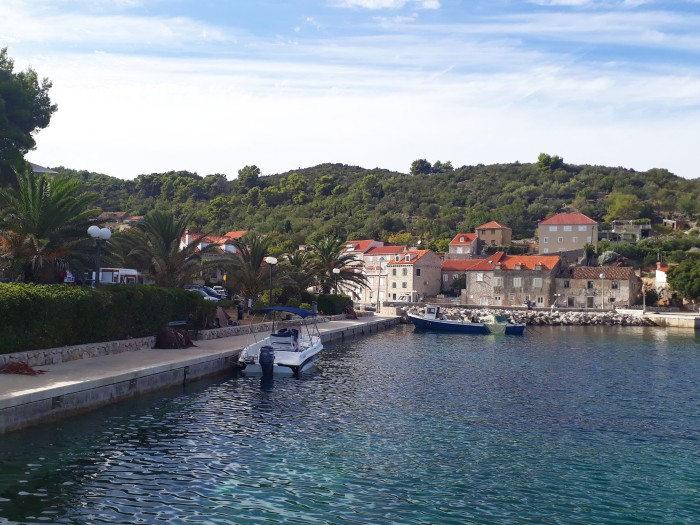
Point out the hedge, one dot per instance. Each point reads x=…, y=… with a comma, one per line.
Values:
x=47, y=316
x=333, y=304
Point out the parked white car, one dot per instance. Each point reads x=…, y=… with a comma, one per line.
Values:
x=221, y=291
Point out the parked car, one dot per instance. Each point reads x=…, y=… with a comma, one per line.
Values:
x=221, y=291
x=209, y=291
x=204, y=294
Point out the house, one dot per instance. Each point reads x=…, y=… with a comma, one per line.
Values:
x=453, y=269
x=225, y=244
x=493, y=234
x=566, y=232
x=41, y=170
x=375, y=262
x=415, y=273
x=597, y=287
x=511, y=280
x=462, y=246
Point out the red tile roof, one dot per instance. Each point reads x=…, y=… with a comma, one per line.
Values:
x=460, y=265
x=610, y=272
x=385, y=250
x=492, y=224
x=236, y=235
x=468, y=239
x=359, y=246
x=568, y=218
x=507, y=262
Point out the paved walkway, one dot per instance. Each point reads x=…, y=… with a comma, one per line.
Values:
x=85, y=374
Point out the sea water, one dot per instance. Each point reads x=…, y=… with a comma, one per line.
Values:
x=577, y=425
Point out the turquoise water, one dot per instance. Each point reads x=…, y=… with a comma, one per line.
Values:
x=563, y=426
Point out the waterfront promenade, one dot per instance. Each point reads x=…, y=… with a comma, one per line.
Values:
x=85, y=384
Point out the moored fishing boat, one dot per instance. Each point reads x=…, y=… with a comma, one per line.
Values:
x=434, y=320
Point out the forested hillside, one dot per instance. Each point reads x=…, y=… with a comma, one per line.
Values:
x=432, y=201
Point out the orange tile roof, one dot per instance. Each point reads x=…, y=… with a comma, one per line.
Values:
x=359, y=246
x=415, y=255
x=568, y=218
x=492, y=224
x=236, y=234
x=468, y=239
x=528, y=262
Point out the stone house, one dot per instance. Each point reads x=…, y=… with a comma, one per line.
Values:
x=511, y=280
x=462, y=246
x=566, y=232
x=375, y=261
x=413, y=272
x=493, y=234
x=597, y=287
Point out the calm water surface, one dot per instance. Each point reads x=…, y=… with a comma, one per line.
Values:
x=563, y=426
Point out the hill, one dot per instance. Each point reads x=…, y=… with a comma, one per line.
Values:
x=435, y=201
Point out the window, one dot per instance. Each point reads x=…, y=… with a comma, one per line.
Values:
x=517, y=282
x=567, y=228
x=566, y=284
x=408, y=257
x=404, y=285
x=552, y=228
x=540, y=299
x=589, y=285
x=445, y=277
x=461, y=239
x=479, y=277
x=571, y=302
x=589, y=240
x=583, y=228
x=537, y=282
x=615, y=285
x=574, y=240
x=560, y=240
x=417, y=272
x=393, y=271
x=546, y=250
x=404, y=271
x=393, y=285
x=545, y=240
x=393, y=296
x=397, y=258
x=497, y=281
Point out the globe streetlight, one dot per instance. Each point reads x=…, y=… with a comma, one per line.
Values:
x=602, y=290
x=271, y=261
x=101, y=236
x=336, y=271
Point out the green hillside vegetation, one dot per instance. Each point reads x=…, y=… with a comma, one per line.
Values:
x=432, y=202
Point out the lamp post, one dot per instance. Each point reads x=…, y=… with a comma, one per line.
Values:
x=101, y=236
x=336, y=271
x=556, y=298
x=602, y=290
x=271, y=261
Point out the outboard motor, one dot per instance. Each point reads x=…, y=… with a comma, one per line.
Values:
x=266, y=360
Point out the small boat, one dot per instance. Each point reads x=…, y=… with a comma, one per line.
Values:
x=285, y=351
x=434, y=320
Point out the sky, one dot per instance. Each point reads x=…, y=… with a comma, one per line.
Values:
x=211, y=86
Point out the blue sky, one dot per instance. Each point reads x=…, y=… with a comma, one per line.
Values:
x=211, y=85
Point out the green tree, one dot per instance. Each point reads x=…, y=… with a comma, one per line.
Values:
x=249, y=176
x=25, y=108
x=421, y=167
x=299, y=273
x=330, y=254
x=43, y=227
x=685, y=278
x=547, y=162
x=623, y=206
x=153, y=247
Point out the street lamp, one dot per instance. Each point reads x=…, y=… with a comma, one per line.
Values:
x=602, y=290
x=336, y=271
x=271, y=261
x=556, y=298
x=101, y=236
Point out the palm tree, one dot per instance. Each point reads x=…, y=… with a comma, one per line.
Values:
x=43, y=227
x=328, y=254
x=246, y=268
x=153, y=247
x=298, y=272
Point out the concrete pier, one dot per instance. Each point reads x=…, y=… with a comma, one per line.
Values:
x=80, y=385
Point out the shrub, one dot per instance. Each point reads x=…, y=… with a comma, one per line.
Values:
x=333, y=304
x=37, y=316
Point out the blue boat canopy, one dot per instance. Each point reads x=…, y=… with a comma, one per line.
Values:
x=301, y=312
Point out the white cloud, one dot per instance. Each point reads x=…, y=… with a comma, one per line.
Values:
x=389, y=4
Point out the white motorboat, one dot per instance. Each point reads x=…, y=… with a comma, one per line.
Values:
x=285, y=351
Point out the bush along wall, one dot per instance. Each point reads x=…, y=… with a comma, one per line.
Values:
x=333, y=304
x=37, y=316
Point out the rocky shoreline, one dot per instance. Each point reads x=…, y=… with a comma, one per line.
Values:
x=552, y=318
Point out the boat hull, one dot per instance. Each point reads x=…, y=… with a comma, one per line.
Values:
x=461, y=327
x=286, y=363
